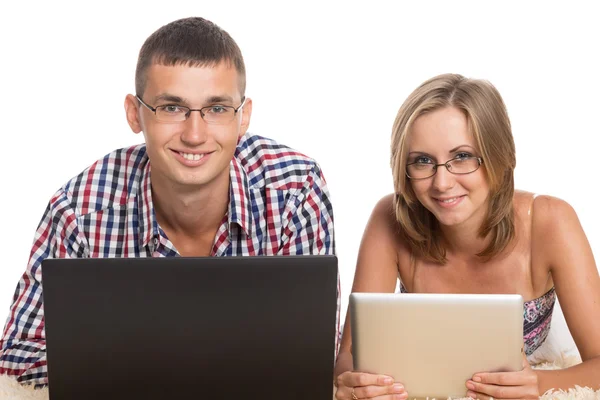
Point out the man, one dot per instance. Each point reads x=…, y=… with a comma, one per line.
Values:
x=199, y=186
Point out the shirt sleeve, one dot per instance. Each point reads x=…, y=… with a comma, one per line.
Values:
x=23, y=343
x=309, y=227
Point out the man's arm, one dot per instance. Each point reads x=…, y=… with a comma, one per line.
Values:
x=309, y=226
x=23, y=344
x=309, y=221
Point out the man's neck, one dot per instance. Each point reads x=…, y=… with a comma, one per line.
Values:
x=191, y=212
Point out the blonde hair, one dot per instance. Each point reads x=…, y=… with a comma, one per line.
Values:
x=488, y=121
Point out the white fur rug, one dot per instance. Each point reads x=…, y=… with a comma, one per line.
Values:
x=11, y=390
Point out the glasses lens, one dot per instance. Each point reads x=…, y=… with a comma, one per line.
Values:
x=463, y=165
x=420, y=170
x=218, y=114
x=171, y=113
x=211, y=115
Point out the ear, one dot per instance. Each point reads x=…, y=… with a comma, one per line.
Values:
x=132, y=113
x=246, y=114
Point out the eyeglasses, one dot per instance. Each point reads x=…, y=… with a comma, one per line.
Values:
x=171, y=113
x=423, y=168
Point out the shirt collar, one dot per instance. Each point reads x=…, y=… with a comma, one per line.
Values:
x=148, y=227
x=240, y=198
x=240, y=203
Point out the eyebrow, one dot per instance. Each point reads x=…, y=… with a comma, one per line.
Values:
x=454, y=150
x=219, y=99
x=421, y=153
x=169, y=98
x=177, y=99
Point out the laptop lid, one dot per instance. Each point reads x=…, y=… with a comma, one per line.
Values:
x=156, y=328
x=433, y=343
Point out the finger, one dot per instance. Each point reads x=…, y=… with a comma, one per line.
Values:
x=403, y=396
x=521, y=378
x=345, y=393
x=354, y=379
x=390, y=397
x=375, y=392
x=498, y=392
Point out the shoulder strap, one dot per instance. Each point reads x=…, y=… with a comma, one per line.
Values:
x=530, y=214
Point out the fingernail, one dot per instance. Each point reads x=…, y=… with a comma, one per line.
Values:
x=398, y=388
x=477, y=378
x=471, y=395
x=401, y=396
x=470, y=385
x=388, y=381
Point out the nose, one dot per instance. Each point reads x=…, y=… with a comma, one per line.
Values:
x=443, y=179
x=195, y=129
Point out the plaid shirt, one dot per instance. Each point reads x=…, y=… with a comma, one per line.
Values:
x=279, y=205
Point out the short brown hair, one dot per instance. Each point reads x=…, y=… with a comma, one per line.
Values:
x=195, y=42
x=489, y=123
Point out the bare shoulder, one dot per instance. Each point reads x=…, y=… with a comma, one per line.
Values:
x=557, y=234
x=523, y=200
x=384, y=208
x=377, y=263
x=546, y=211
x=385, y=226
x=384, y=215
x=383, y=230
x=552, y=213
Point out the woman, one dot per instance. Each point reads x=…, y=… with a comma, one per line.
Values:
x=456, y=225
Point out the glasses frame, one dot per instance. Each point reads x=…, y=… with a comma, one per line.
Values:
x=446, y=164
x=187, y=115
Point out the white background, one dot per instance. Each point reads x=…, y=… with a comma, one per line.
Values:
x=326, y=78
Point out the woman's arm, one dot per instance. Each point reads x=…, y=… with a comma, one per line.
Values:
x=560, y=237
x=559, y=244
x=376, y=267
x=376, y=271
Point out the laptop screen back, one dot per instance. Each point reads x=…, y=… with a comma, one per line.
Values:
x=231, y=327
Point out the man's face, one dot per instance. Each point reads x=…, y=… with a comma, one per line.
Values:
x=191, y=153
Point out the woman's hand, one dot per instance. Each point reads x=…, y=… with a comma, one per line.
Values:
x=505, y=385
x=360, y=385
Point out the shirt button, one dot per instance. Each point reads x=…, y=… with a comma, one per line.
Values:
x=155, y=241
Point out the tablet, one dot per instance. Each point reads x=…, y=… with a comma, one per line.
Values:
x=434, y=343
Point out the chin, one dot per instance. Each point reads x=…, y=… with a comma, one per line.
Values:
x=194, y=182
x=449, y=223
x=449, y=220
x=187, y=180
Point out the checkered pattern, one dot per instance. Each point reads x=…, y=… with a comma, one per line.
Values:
x=279, y=205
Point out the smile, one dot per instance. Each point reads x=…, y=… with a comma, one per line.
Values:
x=192, y=160
x=191, y=157
x=449, y=201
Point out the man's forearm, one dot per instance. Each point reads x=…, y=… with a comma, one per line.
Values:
x=25, y=361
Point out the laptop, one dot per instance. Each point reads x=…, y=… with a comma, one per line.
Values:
x=215, y=327
x=434, y=343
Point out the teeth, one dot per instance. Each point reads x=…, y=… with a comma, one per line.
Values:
x=192, y=157
x=449, y=200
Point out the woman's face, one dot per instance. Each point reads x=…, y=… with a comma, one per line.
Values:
x=455, y=200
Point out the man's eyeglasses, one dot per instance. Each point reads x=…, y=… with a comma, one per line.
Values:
x=424, y=168
x=171, y=113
